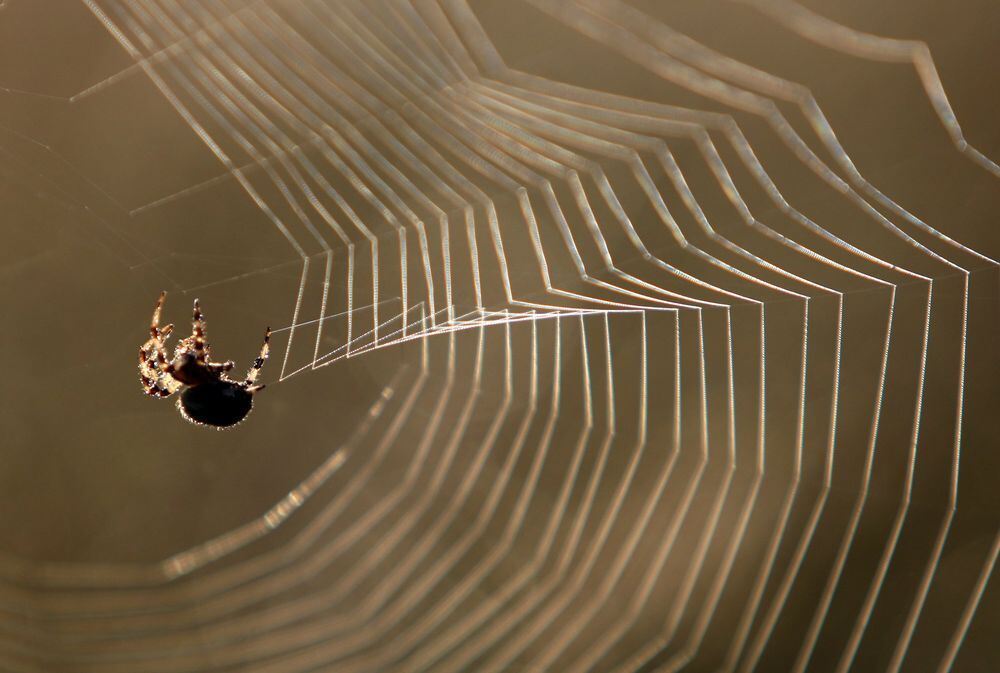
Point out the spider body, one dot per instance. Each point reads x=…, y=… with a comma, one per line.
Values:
x=219, y=404
x=207, y=395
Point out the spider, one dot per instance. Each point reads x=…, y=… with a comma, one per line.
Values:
x=208, y=396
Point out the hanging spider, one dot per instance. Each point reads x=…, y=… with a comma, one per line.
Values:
x=208, y=396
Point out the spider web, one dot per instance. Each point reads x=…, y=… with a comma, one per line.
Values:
x=673, y=383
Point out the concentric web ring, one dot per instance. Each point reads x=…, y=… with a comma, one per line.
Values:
x=695, y=397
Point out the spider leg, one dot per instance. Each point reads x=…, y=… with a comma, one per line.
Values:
x=196, y=344
x=154, y=323
x=155, y=331
x=156, y=381
x=198, y=341
x=148, y=378
x=200, y=344
x=265, y=349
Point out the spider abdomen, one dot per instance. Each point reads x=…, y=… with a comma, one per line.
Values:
x=220, y=403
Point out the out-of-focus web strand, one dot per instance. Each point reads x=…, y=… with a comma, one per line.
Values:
x=786, y=508
x=628, y=46
x=460, y=632
x=901, y=510
x=514, y=130
x=842, y=38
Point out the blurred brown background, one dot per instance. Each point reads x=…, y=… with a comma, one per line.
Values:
x=98, y=481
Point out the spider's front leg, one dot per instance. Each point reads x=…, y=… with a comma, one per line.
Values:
x=254, y=372
x=195, y=348
x=198, y=341
x=197, y=344
x=156, y=381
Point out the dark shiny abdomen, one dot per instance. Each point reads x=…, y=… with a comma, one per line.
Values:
x=221, y=403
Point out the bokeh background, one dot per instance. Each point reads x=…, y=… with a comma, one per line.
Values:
x=595, y=469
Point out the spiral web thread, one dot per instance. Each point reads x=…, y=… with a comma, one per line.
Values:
x=616, y=512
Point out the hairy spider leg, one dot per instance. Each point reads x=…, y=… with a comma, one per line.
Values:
x=265, y=350
x=161, y=348
x=197, y=344
x=156, y=381
x=198, y=333
x=154, y=324
x=200, y=343
x=155, y=331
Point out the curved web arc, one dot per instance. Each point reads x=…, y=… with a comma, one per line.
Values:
x=384, y=130
x=842, y=38
x=580, y=22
